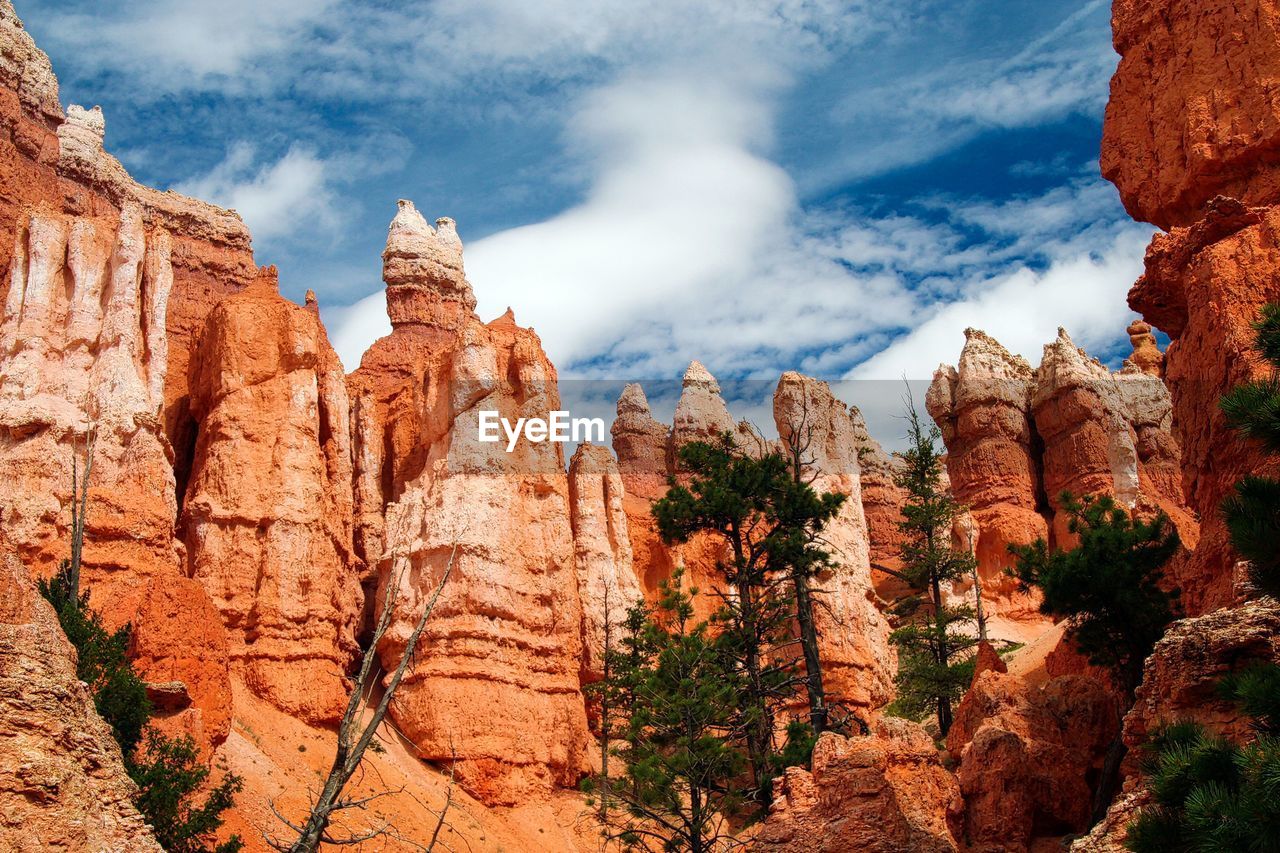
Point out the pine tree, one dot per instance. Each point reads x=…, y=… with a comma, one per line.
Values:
x=933, y=669
x=1252, y=513
x=1109, y=588
x=676, y=693
x=768, y=521
x=167, y=771
x=1211, y=794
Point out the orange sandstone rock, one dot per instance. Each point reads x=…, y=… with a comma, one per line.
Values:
x=267, y=512
x=886, y=792
x=62, y=781
x=853, y=636
x=1191, y=116
x=1027, y=755
x=641, y=445
x=496, y=682
x=607, y=582
x=882, y=500
x=983, y=408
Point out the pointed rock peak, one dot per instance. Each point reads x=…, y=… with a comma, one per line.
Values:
x=985, y=356
x=633, y=400
x=507, y=319
x=311, y=300
x=266, y=282
x=591, y=459
x=91, y=120
x=696, y=374
x=422, y=267
x=1146, y=357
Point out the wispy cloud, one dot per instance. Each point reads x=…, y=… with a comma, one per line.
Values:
x=275, y=199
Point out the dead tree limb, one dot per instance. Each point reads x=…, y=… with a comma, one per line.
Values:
x=354, y=736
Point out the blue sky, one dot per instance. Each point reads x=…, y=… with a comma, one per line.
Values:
x=833, y=187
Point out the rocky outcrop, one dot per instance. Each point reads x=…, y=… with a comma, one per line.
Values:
x=1204, y=286
x=640, y=442
x=607, y=582
x=983, y=408
x=886, y=792
x=1027, y=755
x=1180, y=684
x=1088, y=443
x=1191, y=116
x=853, y=636
x=267, y=515
x=495, y=688
x=62, y=781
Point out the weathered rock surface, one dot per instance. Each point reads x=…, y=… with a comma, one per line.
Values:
x=853, y=636
x=1204, y=286
x=882, y=500
x=1027, y=756
x=886, y=792
x=607, y=582
x=1088, y=443
x=1191, y=116
x=1179, y=683
x=62, y=782
x=640, y=442
x=983, y=408
x=496, y=682
x=267, y=516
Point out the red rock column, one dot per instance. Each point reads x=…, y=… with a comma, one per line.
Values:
x=267, y=517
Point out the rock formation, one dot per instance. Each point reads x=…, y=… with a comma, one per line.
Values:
x=886, y=792
x=1189, y=140
x=1027, y=755
x=641, y=445
x=983, y=408
x=496, y=684
x=1088, y=442
x=607, y=580
x=1179, y=683
x=62, y=781
x=1190, y=117
x=882, y=500
x=267, y=512
x=853, y=636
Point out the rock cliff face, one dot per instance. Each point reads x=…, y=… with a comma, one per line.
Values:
x=1027, y=756
x=983, y=408
x=1190, y=140
x=1190, y=115
x=496, y=684
x=1017, y=438
x=607, y=581
x=882, y=500
x=62, y=782
x=267, y=512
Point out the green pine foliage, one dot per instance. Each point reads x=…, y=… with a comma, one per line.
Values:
x=677, y=693
x=103, y=663
x=1252, y=512
x=769, y=521
x=933, y=642
x=169, y=775
x=167, y=772
x=1109, y=586
x=1211, y=794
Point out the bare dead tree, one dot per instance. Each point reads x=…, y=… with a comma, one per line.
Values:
x=355, y=736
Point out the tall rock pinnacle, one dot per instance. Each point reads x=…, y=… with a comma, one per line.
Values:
x=422, y=267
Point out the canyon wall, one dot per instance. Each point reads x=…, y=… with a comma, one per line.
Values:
x=1190, y=140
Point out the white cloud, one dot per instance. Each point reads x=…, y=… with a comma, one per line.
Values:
x=1083, y=292
x=274, y=199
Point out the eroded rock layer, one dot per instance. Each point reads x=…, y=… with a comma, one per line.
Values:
x=267, y=515
x=495, y=687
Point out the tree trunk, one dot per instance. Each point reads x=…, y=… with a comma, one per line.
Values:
x=812, y=663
